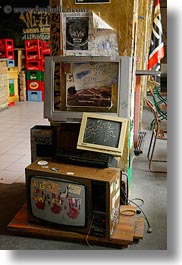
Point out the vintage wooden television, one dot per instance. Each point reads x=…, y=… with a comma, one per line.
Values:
x=77, y=84
x=74, y=198
x=102, y=133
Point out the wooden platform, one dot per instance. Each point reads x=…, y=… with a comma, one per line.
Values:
x=130, y=227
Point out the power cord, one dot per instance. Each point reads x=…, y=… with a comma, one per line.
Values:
x=139, y=210
x=86, y=239
x=149, y=230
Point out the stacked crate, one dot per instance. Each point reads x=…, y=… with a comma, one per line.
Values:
x=22, y=86
x=13, y=85
x=7, y=51
x=35, y=85
x=3, y=84
x=35, y=52
x=45, y=49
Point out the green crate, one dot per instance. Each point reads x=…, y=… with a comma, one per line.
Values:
x=11, y=89
x=42, y=77
x=35, y=75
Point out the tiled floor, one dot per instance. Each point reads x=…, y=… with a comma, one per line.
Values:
x=15, y=155
x=15, y=124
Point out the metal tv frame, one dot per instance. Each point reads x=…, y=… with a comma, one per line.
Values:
x=75, y=116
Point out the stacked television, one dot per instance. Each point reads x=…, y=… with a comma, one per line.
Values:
x=86, y=91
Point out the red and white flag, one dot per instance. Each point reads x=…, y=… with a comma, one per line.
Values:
x=156, y=52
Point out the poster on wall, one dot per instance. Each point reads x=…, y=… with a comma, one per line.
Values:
x=75, y=32
x=86, y=34
x=92, y=1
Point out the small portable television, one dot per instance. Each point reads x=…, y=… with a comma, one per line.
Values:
x=73, y=198
x=102, y=133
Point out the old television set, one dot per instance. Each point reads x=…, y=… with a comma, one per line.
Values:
x=77, y=84
x=67, y=152
x=79, y=199
x=102, y=133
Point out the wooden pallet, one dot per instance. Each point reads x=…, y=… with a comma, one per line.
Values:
x=129, y=228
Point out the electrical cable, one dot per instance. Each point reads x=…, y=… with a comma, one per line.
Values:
x=88, y=244
x=139, y=199
x=149, y=230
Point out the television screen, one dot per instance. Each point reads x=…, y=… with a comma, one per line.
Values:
x=58, y=201
x=102, y=133
x=74, y=84
x=73, y=198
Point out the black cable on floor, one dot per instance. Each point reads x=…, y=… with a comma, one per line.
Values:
x=149, y=230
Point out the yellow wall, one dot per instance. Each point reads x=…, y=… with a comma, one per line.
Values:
x=118, y=14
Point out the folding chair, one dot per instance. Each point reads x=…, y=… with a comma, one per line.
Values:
x=161, y=99
x=157, y=134
x=160, y=105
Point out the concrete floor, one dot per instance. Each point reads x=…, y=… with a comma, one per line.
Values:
x=151, y=187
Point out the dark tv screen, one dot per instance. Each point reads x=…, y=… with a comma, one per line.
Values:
x=102, y=132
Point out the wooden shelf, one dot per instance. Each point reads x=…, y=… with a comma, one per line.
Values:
x=129, y=228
